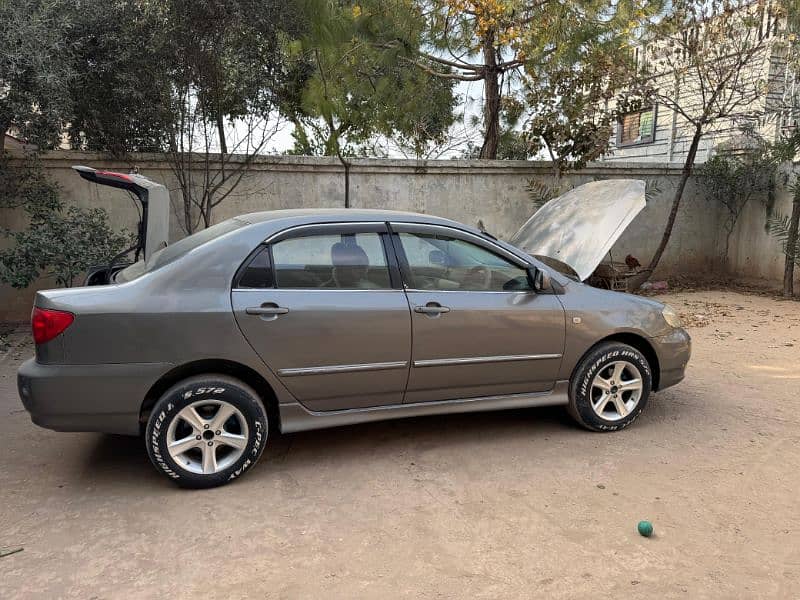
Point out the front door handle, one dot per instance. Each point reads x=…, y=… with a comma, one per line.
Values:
x=268, y=308
x=432, y=308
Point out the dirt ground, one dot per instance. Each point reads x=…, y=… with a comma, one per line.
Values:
x=495, y=505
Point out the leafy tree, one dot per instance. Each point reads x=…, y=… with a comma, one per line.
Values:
x=732, y=179
x=58, y=242
x=226, y=70
x=493, y=40
x=356, y=85
x=34, y=70
x=706, y=63
x=786, y=228
x=122, y=77
x=513, y=142
x=568, y=103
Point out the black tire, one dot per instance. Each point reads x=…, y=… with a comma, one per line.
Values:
x=207, y=394
x=601, y=359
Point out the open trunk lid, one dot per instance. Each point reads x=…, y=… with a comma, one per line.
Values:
x=153, y=231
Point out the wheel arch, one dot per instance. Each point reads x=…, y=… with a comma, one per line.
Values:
x=639, y=342
x=233, y=369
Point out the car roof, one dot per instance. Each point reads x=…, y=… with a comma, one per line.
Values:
x=316, y=215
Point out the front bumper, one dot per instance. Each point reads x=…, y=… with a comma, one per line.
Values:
x=104, y=398
x=674, y=351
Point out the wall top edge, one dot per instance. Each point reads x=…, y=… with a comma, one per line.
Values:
x=67, y=158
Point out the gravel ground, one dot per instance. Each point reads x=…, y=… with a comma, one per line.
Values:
x=507, y=504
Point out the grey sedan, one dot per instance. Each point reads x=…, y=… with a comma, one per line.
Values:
x=303, y=319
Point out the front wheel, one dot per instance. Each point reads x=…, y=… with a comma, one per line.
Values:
x=206, y=431
x=610, y=387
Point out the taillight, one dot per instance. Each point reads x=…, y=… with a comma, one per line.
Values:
x=47, y=324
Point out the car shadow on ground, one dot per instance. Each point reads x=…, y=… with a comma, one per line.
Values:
x=119, y=460
x=115, y=460
x=348, y=442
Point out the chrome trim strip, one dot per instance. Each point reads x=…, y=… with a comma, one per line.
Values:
x=323, y=225
x=432, y=292
x=441, y=362
x=304, y=290
x=384, y=366
x=450, y=229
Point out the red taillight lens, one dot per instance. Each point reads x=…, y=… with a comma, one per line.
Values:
x=47, y=324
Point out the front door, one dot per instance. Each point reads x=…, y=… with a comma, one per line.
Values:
x=330, y=319
x=478, y=329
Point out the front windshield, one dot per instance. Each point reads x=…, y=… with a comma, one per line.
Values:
x=174, y=251
x=559, y=266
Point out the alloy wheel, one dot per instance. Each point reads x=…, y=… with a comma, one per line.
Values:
x=616, y=390
x=207, y=436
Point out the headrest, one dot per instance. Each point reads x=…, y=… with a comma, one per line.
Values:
x=348, y=255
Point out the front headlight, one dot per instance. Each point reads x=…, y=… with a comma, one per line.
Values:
x=671, y=316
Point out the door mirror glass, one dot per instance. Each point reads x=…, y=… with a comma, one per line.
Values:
x=539, y=279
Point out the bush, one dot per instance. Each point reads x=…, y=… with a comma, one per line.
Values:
x=58, y=242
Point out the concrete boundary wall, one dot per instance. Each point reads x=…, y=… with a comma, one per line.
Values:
x=493, y=192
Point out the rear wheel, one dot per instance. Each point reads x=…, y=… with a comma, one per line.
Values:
x=610, y=387
x=206, y=431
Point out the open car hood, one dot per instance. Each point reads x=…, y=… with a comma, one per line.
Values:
x=580, y=227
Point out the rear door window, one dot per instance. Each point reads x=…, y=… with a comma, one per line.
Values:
x=331, y=261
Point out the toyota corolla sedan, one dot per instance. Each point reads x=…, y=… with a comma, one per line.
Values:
x=302, y=319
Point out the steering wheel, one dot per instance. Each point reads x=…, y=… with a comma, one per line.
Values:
x=479, y=277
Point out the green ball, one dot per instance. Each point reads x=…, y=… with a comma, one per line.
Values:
x=645, y=528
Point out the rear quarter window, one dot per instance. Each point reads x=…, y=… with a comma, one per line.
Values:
x=257, y=272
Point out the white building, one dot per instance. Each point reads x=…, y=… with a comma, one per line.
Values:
x=660, y=134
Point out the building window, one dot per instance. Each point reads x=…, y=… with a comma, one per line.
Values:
x=638, y=127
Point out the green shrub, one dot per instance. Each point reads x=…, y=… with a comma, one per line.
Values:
x=59, y=242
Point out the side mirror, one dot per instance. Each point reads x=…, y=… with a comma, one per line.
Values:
x=538, y=279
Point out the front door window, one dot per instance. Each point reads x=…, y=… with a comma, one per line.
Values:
x=440, y=262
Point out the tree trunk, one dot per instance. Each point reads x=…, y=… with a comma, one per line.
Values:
x=223, y=144
x=207, y=218
x=792, y=246
x=187, y=212
x=491, y=98
x=332, y=147
x=4, y=127
x=634, y=283
x=346, y=165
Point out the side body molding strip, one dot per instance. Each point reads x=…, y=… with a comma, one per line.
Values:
x=472, y=360
x=385, y=366
x=327, y=370
x=294, y=417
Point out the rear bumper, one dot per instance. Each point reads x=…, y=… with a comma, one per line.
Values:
x=104, y=398
x=674, y=351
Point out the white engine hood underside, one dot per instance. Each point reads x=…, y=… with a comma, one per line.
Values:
x=580, y=227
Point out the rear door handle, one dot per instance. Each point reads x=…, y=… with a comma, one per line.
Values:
x=268, y=308
x=432, y=308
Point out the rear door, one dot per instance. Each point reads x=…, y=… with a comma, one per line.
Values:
x=478, y=329
x=323, y=306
